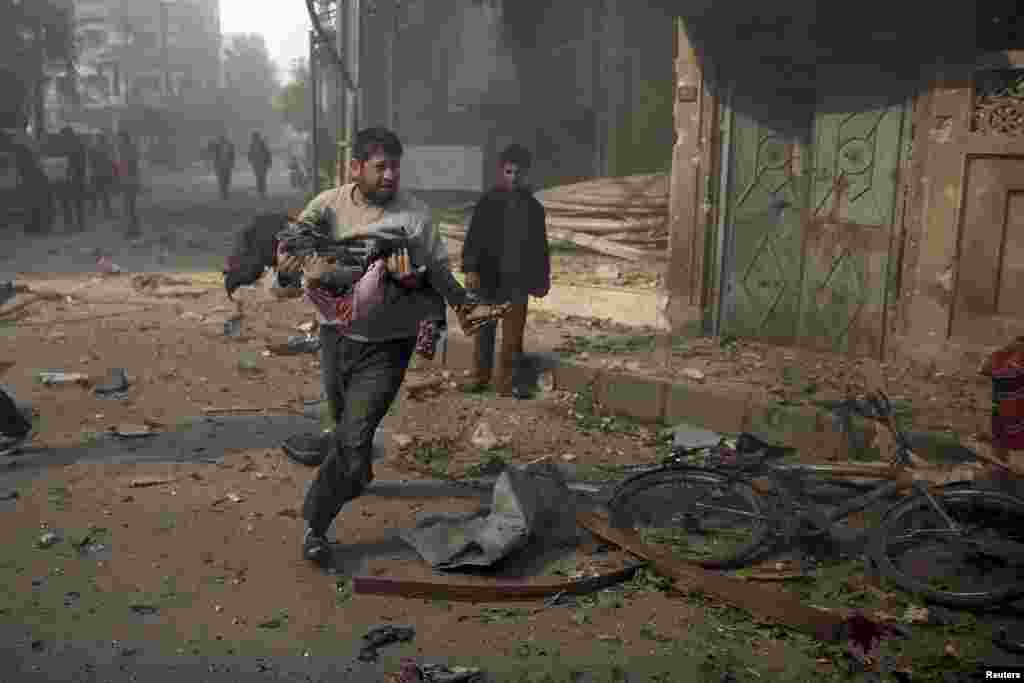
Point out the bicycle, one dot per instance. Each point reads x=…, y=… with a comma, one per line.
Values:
x=696, y=507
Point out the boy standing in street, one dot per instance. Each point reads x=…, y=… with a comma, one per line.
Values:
x=506, y=259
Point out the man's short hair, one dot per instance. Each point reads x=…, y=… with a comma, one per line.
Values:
x=370, y=140
x=518, y=155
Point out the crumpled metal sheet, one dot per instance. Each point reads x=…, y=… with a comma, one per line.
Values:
x=528, y=503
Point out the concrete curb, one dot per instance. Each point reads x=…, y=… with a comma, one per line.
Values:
x=653, y=400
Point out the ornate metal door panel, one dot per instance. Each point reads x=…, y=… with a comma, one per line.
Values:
x=849, y=229
x=761, y=294
x=988, y=305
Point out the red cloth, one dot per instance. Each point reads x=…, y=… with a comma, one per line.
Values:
x=1008, y=398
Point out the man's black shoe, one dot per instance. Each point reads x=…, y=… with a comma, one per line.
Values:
x=316, y=548
x=307, y=449
x=521, y=394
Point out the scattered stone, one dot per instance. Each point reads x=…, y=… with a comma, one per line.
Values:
x=402, y=440
x=71, y=598
x=633, y=366
x=235, y=498
x=131, y=431
x=483, y=437
x=145, y=482
x=48, y=540
x=382, y=636
x=694, y=374
x=568, y=457
x=290, y=513
x=38, y=645
x=144, y=610
x=59, y=378
x=116, y=385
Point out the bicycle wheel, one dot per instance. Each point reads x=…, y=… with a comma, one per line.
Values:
x=704, y=517
x=980, y=565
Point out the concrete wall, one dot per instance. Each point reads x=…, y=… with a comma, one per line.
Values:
x=953, y=264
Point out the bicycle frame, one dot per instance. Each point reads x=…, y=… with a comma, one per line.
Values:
x=790, y=480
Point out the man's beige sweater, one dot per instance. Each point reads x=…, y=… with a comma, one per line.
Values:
x=347, y=214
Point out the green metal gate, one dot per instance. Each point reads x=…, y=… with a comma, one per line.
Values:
x=805, y=235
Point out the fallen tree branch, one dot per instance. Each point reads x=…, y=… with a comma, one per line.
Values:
x=231, y=411
x=773, y=606
x=499, y=591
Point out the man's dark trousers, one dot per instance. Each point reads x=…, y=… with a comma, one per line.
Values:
x=361, y=380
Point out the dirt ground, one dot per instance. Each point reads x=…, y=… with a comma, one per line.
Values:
x=216, y=550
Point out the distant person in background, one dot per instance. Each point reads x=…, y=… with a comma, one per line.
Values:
x=72, y=191
x=224, y=161
x=506, y=259
x=260, y=160
x=101, y=159
x=130, y=179
x=210, y=155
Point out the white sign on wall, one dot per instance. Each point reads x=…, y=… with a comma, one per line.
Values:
x=435, y=167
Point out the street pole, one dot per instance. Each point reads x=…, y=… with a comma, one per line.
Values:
x=390, y=61
x=344, y=94
x=350, y=58
x=314, y=75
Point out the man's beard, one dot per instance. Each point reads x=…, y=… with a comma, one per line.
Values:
x=378, y=197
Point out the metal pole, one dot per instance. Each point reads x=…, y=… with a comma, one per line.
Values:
x=344, y=95
x=355, y=51
x=314, y=75
x=390, y=57
x=351, y=60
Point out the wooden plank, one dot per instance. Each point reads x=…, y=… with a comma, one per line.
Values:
x=771, y=605
x=499, y=591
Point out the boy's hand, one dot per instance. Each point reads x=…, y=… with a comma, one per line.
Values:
x=316, y=267
x=290, y=264
x=472, y=280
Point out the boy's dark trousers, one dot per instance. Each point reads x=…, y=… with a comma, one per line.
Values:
x=361, y=380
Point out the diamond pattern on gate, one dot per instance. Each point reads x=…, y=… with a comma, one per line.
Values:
x=766, y=271
x=841, y=297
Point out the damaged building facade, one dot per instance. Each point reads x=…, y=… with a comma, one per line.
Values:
x=849, y=182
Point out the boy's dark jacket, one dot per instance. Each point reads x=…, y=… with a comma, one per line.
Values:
x=507, y=245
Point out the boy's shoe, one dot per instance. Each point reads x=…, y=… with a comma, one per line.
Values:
x=307, y=449
x=316, y=548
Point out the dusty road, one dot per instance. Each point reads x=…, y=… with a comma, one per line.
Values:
x=198, y=573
